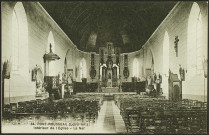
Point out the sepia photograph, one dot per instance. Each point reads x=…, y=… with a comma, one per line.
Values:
x=104, y=67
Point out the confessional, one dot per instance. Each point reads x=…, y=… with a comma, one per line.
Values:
x=175, y=89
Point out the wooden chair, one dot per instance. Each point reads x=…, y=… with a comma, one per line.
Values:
x=13, y=107
x=151, y=129
x=134, y=123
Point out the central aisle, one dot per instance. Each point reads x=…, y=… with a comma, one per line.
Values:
x=109, y=122
x=109, y=119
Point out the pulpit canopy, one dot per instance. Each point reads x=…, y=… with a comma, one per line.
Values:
x=51, y=55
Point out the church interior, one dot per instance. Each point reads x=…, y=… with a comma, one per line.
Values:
x=110, y=67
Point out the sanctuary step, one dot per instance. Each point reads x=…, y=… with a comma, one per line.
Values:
x=110, y=89
x=42, y=96
x=108, y=97
x=112, y=93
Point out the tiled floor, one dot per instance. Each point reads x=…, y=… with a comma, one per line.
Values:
x=119, y=123
x=109, y=122
x=109, y=119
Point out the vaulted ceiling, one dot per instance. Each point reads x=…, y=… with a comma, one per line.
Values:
x=91, y=24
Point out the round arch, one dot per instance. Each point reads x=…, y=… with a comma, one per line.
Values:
x=194, y=41
x=19, y=39
x=149, y=62
x=150, y=59
x=70, y=59
x=135, y=68
x=83, y=68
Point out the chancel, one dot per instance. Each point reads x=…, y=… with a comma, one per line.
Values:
x=104, y=67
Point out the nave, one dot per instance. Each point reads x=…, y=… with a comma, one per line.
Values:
x=110, y=113
x=104, y=67
x=101, y=116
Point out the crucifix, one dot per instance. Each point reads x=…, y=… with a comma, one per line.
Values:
x=50, y=47
x=176, y=45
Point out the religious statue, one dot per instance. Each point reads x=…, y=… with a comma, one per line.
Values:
x=109, y=76
x=109, y=62
x=176, y=45
x=38, y=86
x=154, y=77
x=149, y=80
x=182, y=73
x=64, y=78
x=150, y=86
x=159, y=78
x=158, y=83
x=60, y=78
x=50, y=47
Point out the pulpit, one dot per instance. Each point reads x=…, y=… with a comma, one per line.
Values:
x=51, y=80
x=52, y=86
x=175, y=89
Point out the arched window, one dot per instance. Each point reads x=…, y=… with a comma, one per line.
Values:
x=50, y=41
x=51, y=63
x=149, y=59
x=194, y=41
x=20, y=62
x=83, y=68
x=135, y=68
x=15, y=42
x=165, y=64
x=149, y=63
x=92, y=39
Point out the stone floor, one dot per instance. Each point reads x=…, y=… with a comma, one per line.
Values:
x=109, y=119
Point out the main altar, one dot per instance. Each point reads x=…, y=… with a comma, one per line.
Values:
x=109, y=68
